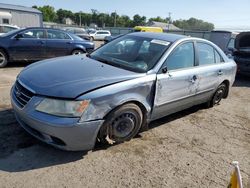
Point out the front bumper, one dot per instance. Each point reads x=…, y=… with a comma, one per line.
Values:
x=60, y=132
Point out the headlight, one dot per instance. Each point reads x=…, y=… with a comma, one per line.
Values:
x=63, y=108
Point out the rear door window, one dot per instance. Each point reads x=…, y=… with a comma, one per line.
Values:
x=57, y=35
x=218, y=58
x=205, y=54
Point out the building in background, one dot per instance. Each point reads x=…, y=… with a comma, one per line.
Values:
x=20, y=16
x=68, y=21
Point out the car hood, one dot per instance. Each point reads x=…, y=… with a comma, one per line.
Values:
x=71, y=76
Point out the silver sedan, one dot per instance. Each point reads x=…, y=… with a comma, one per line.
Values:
x=113, y=93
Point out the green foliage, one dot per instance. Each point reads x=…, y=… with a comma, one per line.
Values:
x=159, y=19
x=62, y=14
x=49, y=14
x=113, y=19
x=138, y=20
x=194, y=24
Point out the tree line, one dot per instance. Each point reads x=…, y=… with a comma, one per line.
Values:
x=115, y=20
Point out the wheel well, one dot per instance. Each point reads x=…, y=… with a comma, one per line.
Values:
x=143, y=109
x=84, y=50
x=227, y=83
x=5, y=52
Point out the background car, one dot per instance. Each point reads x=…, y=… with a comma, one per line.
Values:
x=241, y=53
x=32, y=44
x=107, y=39
x=5, y=28
x=111, y=94
x=80, y=32
x=99, y=34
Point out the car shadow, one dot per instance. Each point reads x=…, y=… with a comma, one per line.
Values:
x=242, y=81
x=17, y=64
x=159, y=122
x=19, y=151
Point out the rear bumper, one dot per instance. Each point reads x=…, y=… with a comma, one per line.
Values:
x=63, y=133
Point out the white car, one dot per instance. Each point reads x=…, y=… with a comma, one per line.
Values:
x=99, y=35
x=5, y=28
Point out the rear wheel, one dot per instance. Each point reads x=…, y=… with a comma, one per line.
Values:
x=3, y=59
x=218, y=95
x=77, y=52
x=121, y=124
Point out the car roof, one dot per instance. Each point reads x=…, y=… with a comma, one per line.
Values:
x=160, y=36
x=42, y=28
x=103, y=30
x=7, y=25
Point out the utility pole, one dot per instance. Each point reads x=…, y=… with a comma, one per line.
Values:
x=169, y=20
x=80, y=15
x=115, y=20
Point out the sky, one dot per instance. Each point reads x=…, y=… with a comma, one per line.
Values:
x=230, y=14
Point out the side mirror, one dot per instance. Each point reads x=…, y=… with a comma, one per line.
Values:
x=164, y=69
x=18, y=36
x=231, y=49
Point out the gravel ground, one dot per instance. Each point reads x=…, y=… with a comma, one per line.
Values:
x=192, y=148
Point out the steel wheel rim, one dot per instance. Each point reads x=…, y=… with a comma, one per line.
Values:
x=124, y=125
x=218, y=96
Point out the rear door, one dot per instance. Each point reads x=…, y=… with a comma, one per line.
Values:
x=58, y=43
x=210, y=70
x=176, y=88
x=30, y=45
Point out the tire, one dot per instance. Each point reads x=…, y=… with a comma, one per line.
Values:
x=77, y=52
x=121, y=125
x=218, y=95
x=92, y=39
x=3, y=59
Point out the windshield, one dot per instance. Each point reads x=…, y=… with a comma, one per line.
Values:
x=92, y=32
x=10, y=33
x=134, y=53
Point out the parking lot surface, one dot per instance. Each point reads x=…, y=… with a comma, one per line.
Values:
x=192, y=148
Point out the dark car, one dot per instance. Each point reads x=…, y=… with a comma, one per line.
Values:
x=241, y=53
x=80, y=32
x=32, y=44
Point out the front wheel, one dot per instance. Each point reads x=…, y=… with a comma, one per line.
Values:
x=77, y=52
x=121, y=124
x=3, y=59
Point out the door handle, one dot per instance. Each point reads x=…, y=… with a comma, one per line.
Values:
x=220, y=72
x=69, y=42
x=193, y=79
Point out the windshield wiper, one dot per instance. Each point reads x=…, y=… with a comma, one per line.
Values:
x=106, y=61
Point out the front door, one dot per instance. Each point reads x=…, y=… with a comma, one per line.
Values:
x=28, y=45
x=176, y=88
